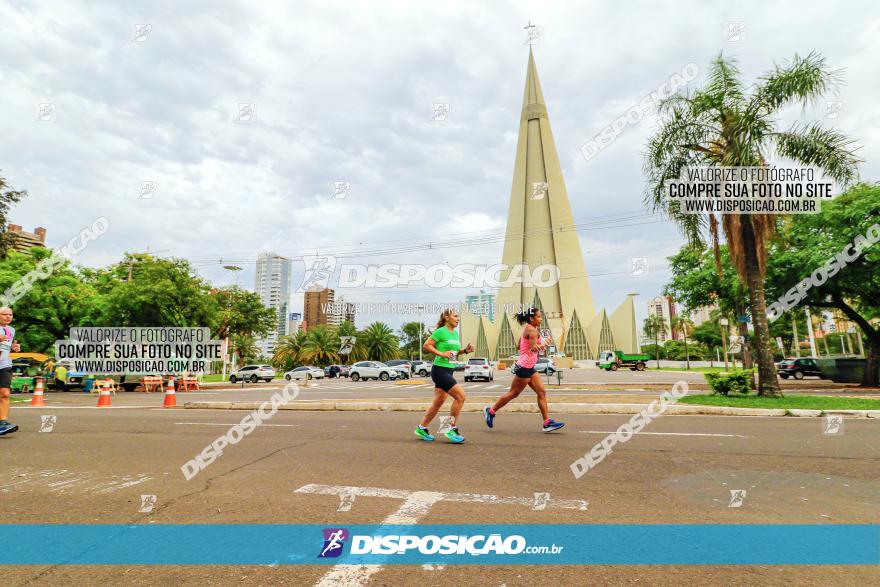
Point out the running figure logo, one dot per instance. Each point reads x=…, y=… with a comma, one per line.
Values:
x=737, y=497
x=334, y=540
x=832, y=425
x=318, y=269
x=346, y=344
x=47, y=423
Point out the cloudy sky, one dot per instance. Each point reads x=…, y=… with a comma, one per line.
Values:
x=343, y=91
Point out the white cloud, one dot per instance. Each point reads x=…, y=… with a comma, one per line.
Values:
x=343, y=92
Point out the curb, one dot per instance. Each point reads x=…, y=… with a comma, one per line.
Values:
x=566, y=408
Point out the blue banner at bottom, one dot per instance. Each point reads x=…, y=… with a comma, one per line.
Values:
x=299, y=544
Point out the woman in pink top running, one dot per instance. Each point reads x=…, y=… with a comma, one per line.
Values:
x=530, y=344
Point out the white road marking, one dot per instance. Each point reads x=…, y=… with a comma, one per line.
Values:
x=125, y=483
x=58, y=480
x=62, y=484
x=577, y=504
x=493, y=386
x=664, y=433
x=233, y=424
x=55, y=407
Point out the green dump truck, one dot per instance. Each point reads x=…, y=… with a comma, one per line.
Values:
x=614, y=360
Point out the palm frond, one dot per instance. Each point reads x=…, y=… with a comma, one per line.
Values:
x=724, y=87
x=829, y=150
x=804, y=79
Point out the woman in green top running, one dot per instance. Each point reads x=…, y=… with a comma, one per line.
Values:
x=444, y=344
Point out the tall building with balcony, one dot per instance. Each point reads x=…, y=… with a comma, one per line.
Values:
x=22, y=241
x=272, y=284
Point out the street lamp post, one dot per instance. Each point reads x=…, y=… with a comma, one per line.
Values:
x=421, y=329
x=235, y=269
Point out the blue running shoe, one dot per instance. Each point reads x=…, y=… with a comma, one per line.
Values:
x=7, y=428
x=424, y=434
x=490, y=417
x=453, y=436
x=552, y=425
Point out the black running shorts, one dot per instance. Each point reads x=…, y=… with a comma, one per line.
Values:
x=6, y=378
x=523, y=372
x=443, y=377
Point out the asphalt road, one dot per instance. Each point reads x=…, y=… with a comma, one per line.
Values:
x=95, y=464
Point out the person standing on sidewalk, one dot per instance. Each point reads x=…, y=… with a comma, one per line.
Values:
x=7, y=345
x=444, y=344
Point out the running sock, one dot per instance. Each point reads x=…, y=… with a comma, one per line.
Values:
x=423, y=427
x=547, y=421
x=491, y=411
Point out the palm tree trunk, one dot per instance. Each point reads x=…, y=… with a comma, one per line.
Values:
x=657, y=350
x=687, y=355
x=743, y=329
x=872, y=366
x=768, y=385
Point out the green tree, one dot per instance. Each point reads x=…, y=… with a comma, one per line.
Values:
x=708, y=334
x=685, y=325
x=379, y=341
x=52, y=306
x=725, y=124
x=241, y=312
x=8, y=197
x=654, y=328
x=320, y=347
x=245, y=348
x=412, y=337
x=143, y=290
x=697, y=282
x=657, y=350
x=810, y=243
x=287, y=351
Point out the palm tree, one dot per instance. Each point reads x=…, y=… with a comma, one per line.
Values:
x=727, y=124
x=684, y=325
x=287, y=351
x=245, y=348
x=655, y=326
x=379, y=342
x=320, y=347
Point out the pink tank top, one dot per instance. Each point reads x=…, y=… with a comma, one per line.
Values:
x=527, y=357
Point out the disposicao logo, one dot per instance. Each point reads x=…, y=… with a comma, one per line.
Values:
x=334, y=541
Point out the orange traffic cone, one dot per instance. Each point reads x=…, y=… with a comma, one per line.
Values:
x=37, y=400
x=170, y=395
x=104, y=398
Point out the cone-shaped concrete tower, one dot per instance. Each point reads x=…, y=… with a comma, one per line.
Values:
x=541, y=231
x=540, y=228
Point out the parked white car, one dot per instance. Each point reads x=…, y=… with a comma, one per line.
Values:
x=403, y=367
x=306, y=372
x=372, y=370
x=421, y=368
x=253, y=373
x=479, y=369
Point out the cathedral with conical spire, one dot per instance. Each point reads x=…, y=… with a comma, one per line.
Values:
x=541, y=232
